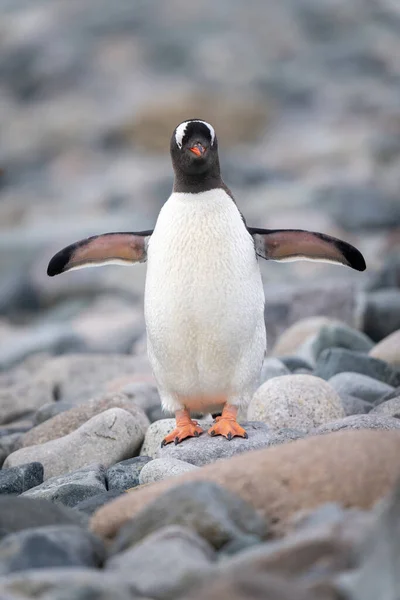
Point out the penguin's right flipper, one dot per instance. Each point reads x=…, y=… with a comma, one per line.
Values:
x=109, y=248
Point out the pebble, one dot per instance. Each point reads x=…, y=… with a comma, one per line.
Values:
x=20, y=479
x=370, y=421
x=67, y=583
x=375, y=574
x=145, y=395
x=295, y=401
x=71, y=488
x=68, y=421
x=49, y=410
x=125, y=474
x=295, y=335
x=382, y=313
x=157, y=432
x=389, y=408
x=339, y=335
x=355, y=406
x=388, y=349
x=162, y=468
x=90, y=505
x=213, y=512
x=339, y=360
x=293, y=363
x=174, y=553
x=273, y=367
x=8, y=444
x=21, y=512
x=206, y=449
x=311, y=468
x=359, y=385
x=51, y=546
x=109, y=437
x=21, y=398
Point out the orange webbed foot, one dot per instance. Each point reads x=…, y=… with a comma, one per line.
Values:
x=227, y=427
x=181, y=432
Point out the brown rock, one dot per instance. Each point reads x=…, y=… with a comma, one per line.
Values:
x=68, y=421
x=352, y=468
x=388, y=349
x=293, y=337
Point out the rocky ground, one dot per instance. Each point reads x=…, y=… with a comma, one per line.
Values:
x=304, y=95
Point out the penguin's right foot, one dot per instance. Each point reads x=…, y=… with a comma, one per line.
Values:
x=185, y=428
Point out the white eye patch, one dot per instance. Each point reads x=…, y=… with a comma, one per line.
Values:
x=180, y=131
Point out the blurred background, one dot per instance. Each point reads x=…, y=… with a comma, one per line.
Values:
x=304, y=96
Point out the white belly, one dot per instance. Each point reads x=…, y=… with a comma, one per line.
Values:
x=204, y=300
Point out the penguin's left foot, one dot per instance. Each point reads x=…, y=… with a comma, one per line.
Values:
x=185, y=428
x=227, y=425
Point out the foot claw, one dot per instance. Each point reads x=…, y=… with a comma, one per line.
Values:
x=229, y=428
x=182, y=432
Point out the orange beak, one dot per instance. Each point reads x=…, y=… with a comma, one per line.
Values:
x=197, y=149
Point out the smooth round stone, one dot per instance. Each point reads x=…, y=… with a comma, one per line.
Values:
x=388, y=349
x=370, y=421
x=295, y=335
x=295, y=363
x=359, y=385
x=90, y=505
x=355, y=406
x=382, y=313
x=51, y=546
x=272, y=367
x=20, y=479
x=390, y=408
x=157, y=432
x=338, y=335
x=295, y=401
x=109, y=437
x=339, y=360
x=162, y=468
x=125, y=474
x=49, y=410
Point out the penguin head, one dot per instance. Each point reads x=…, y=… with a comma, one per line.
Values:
x=194, y=149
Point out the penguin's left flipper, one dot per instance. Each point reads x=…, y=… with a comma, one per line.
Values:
x=296, y=244
x=109, y=248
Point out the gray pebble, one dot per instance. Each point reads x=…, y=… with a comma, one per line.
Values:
x=90, y=505
x=51, y=546
x=49, y=410
x=20, y=479
x=125, y=474
x=162, y=468
x=338, y=360
x=359, y=385
x=72, y=488
x=370, y=421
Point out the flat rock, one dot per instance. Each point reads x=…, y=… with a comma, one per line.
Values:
x=21, y=398
x=294, y=336
x=90, y=505
x=359, y=385
x=161, y=468
x=125, y=474
x=388, y=349
x=382, y=313
x=295, y=401
x=205, y=507
x=49, y=410
x=20, y=479
x=108, y=438
x=355, y=406
x=273, y=367
x=157, y=432
x=206, y=449
x=338, y=360
x=67, y=583
x=173, y=552
x=339, y=335
x=51, y=546
x=72, y=488
x=20, y=513
x=353, y=468
x=389, y=408
x=68, y=421
x=369, y=421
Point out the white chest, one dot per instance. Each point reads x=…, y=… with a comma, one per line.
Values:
x=204, y=296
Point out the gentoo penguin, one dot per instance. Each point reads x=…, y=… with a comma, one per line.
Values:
x=204, y=298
